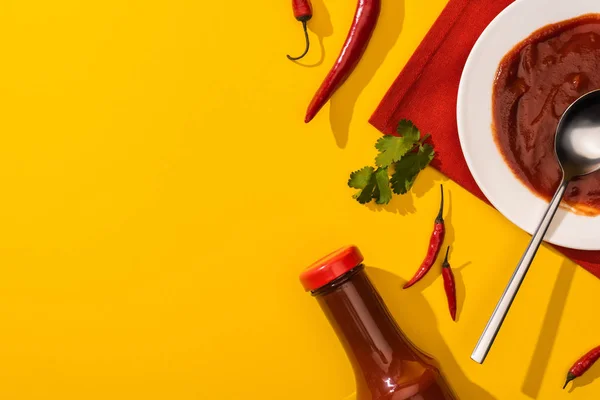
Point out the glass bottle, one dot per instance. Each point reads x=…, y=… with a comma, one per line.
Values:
x=386, y=365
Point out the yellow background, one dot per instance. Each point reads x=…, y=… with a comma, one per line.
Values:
x=161, y=193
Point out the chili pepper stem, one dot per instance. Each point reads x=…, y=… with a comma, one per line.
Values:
x=446, y=264
x=570, y=377
x=304, y=26
x=440, y=216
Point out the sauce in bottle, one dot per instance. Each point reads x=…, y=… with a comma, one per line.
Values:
x=386, y=365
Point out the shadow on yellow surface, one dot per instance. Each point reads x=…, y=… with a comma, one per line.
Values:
x=404, y=204
x=388, y=29
x=400, y=204
x=547, y=336
x=461, y=290
x=399, y=301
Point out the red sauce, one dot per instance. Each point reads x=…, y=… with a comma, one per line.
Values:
x=535, y=83
x=386, y=365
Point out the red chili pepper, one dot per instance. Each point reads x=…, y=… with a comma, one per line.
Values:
x=435, y=243
x=365, y=19
x=449, y=286
x=303, y=13
x=583, y=364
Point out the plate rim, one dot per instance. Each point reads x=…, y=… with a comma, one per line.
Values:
x=462, y=127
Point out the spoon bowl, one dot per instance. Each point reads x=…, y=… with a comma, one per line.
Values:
x=577, y=148
x=577, y=142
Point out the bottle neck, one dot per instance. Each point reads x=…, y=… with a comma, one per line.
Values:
x=370, y=336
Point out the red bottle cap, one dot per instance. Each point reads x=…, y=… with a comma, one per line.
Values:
x=330, y=267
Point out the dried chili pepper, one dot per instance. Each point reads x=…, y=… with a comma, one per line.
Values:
x=435, y=243
x=365, y=19
x=583, y=364
x=303, y=13
x=449, y=286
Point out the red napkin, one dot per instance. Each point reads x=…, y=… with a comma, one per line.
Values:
x=426, y=89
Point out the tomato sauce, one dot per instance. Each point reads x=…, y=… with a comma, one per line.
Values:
x=387, y=366
x=535, y=83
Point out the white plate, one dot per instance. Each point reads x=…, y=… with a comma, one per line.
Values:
x=474, y=116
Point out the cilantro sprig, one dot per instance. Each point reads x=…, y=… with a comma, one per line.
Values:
x=402, y=157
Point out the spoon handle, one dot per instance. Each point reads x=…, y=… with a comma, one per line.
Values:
x=493, y=326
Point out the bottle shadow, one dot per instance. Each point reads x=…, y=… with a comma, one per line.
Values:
x=411, y=305
x=320, y=25
x=389, y=26
x=547, y=337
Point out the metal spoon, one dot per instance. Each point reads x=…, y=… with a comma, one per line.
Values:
x=577, y=148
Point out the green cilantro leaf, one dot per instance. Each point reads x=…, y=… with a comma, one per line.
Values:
x=407, y=169
x=366, y=194
x=406, y=154
x=383, y=194
x=408, y=130
x=363, y=179
x=392, y=148
x=360, y=179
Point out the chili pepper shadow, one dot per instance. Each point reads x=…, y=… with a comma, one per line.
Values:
x=410, y=305
x=461, y=291
x=547, y=337
x=450, y=234
x=384, y=37
x=320, y=25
